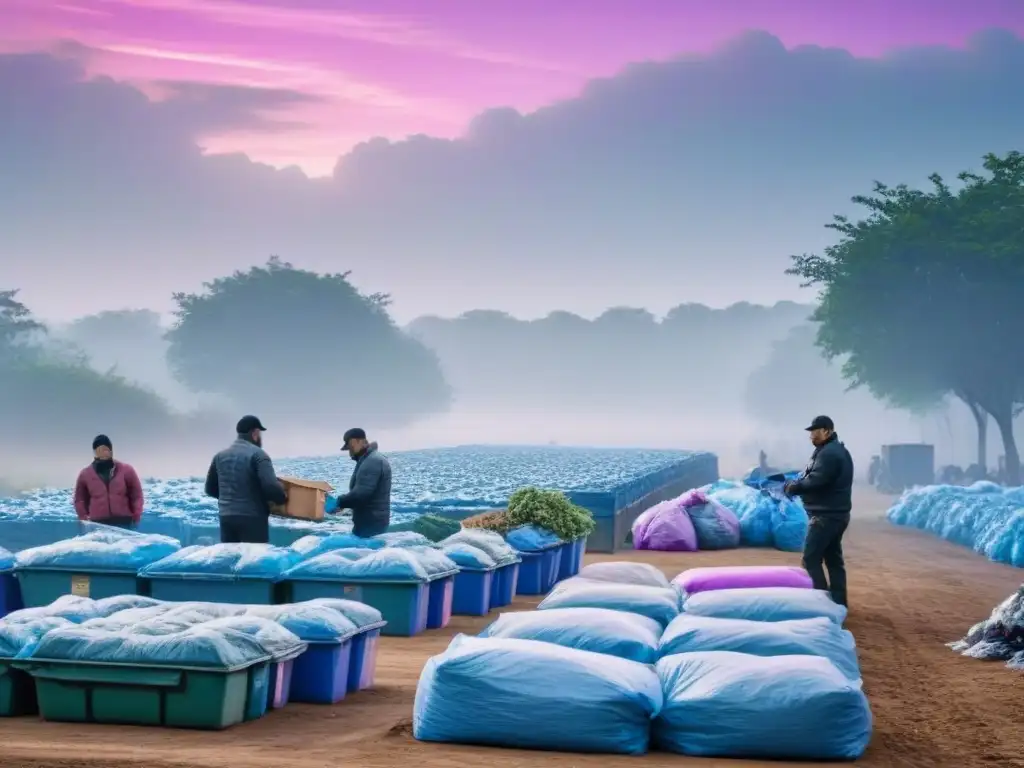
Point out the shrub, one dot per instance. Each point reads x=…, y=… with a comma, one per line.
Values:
x=551, y=510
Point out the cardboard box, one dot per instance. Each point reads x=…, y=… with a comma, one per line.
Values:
x=306, y=499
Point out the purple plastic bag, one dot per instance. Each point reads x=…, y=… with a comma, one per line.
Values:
x=665, y=527
x=694, y=580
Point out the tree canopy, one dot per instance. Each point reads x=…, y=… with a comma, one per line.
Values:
x=921, y=296
x=303, y=347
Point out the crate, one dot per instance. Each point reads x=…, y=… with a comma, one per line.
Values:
x=41, y=586
x=17, y=691
x=362, y=670
x=183, y=588
x=532, y=574
x=321, y=674
x=127, y=694
x=572, y=559
x=10, y=594
x=403, y=604
x=280, y=676
x=439, y=608
x=505, y=585
x=472, y=592
x=551, y=563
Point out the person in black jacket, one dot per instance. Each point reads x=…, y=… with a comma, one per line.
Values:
x=826, y=488
x=369, y=489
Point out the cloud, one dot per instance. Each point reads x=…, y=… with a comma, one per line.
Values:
x=684, y=180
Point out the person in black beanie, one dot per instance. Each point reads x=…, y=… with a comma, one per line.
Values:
x=108, y=491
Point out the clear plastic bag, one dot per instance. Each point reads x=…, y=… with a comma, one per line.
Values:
x=362, y=615
x=530, y=538
x=765, y=604
x=624, y=572
x=658, y=603
x=600, y=630
x=389, y=564
x=256, y=561
x=800, y=637
x=275, y=639
x=311, y=546
x=722, y=704
x=110, y=605
x=404, y=539
x=100, y=551
x=74, y=609
x=198, y=646
x=490, y=542
x=533, y=695
x=309, y=623
x=467, y=557
x=18, y=639
x=435, y=561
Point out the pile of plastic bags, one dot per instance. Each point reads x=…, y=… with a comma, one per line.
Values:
x=1000, y=637
x=754, y=663
x=255, y=561
x=984, y=516
x=111, y=550
x=767, y=517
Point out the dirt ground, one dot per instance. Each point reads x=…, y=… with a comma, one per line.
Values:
x=910, y=593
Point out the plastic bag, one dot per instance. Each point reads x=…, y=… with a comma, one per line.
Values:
x=364, y=616
x=789, y=523
x=765, y=604
x=530, y=538
x=658, y=603
x=435, y=561
x=275, y=639
x=716, y=526
x=625, y=572
x=600, y=630
x=490, y=542
x=806, y=637
x=100, y=551
x=110, y=605
x=1001, y=636
x=722, y=704
x=6, y=560
x=467, y=557
x=74, y=609
x=404, y=539
x=199, y=646
x=705, y=579
x=255, y=561
x=309, y=623
x=311, y=546
x=18, y=639
x=498, y=692
x=665, y=527
x=389, y=564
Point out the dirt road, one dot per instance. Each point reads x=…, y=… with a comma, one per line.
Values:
x=910, y=594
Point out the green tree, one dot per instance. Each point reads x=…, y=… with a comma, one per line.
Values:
x=921, y=295
x=303, y=347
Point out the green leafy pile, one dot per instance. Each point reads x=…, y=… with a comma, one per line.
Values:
x=551, y=510
x=434, y=527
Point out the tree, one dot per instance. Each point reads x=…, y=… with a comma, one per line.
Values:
x=920, y=295
x=16, y=326
x=304, y=348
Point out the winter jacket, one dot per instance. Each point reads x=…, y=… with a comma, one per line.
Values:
x=369, y=494
x=98, y=500
x=826, y=486
x=242, y=479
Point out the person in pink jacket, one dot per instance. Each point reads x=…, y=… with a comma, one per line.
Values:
x=108, y=491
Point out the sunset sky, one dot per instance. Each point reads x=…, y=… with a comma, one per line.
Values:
x=357, y=69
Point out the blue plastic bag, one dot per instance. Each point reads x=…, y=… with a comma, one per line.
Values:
x=100, y=551
x=6, y=560
x=275, y=639
x=498, y=692
x=490, y=542
x=435, y=561
x=789, y=523
x=625, y=572
x=404, y=539
x=74, y=609
x=311, y=546
x=722, y=704
x=18, y=639
x=362, y=615
x=765, y=604
x=600, y=630
x=309, y=623
x=530, y=538
x=658, y=603
x=800, y=637
x=255, y=561
x=753, y=509
x=467, y=557
x=388, y=564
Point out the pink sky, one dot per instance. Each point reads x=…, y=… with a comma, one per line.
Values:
x=396, y=67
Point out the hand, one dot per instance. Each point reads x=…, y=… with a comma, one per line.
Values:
x=788, y=488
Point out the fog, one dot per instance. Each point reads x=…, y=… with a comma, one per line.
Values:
x=733, y=381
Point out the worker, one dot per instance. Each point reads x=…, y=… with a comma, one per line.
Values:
x=826, y=487
x=369, y=488
x=108, y=491
x=243, y=480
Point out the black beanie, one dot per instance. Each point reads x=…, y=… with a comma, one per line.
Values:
x=102, y=440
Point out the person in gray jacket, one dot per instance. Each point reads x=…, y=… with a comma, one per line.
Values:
x=243, y=480
x=369, y=489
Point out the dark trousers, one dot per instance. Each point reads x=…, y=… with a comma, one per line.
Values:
x=245, y=529
x=366, y=529
x=119, y=522
x=824, y=545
